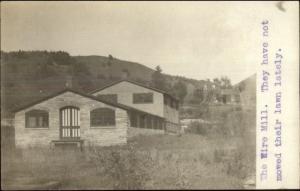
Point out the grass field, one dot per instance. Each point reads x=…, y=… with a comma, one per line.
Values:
x=217, y=156
x=148, y=162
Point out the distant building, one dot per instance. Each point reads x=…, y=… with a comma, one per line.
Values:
x=247, y=90
x=229, y=96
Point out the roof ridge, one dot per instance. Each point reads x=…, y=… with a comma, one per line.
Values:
x=136, y=83
x=122, y=106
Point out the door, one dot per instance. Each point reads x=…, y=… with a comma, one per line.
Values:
x=69, y=123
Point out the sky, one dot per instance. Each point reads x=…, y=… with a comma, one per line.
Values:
x=197, y=40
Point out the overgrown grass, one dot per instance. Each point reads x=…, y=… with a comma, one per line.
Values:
x=219, y=157
x=236, y=126
x=147, y=162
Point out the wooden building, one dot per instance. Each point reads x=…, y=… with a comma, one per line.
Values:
x=101, y=118
x=144, y=98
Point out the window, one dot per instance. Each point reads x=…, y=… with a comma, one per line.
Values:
x=155, y=123
x=142, y=121
x=109, y=97
x=160, y=124
x=37, y=119
x=143, y=98
x=102, y=117
x=70, y=116
x=148, y=122
x=134, y=120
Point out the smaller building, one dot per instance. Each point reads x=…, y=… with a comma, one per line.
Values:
x=247, y=91
x=230, y=96
x=148, y=99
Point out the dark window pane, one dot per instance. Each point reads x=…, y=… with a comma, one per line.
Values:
x=102, y=117
x=32, y=122
x=37, y=119
x=142, y=121
x=143, y=98
x=133, y=120
x=149, y=122
x=109, y=97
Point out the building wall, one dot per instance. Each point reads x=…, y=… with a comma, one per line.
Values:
x=247, y=89
x=125, y=91
x=132, y=132
x=171, y=114
x=171, y=119
x=102, y=136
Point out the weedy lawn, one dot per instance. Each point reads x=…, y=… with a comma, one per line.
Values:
x=188, y=161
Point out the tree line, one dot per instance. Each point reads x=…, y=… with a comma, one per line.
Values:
x=203, y=92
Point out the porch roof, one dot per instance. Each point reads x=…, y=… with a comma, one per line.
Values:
x=118, y=105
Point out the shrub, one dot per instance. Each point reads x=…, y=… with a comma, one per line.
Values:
x=126, y=168
x=198, y=128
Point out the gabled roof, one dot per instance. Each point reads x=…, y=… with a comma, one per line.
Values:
x=249, y=78
x=136, y=83
x=118, y=105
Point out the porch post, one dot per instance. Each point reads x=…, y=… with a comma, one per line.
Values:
x=138, y=121
x=152, y=123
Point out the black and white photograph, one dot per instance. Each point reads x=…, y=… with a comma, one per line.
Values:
x=144, y=95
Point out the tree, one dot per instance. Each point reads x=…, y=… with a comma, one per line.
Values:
x=80, y=69
x=61, y=58
x=158, y=79
x=225, y=82
x=180, y=90
x=44, y=70
x=158, y=69
x=198, y=95
x=217, y=82
x=125, y=73
x=110, y=60
x=81, y=75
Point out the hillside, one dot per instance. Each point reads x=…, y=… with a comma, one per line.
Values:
x=30, y=75
x=102, y=67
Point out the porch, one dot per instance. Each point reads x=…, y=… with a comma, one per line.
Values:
x=146, y=121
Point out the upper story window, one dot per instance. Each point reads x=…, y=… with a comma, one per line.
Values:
x=109, y=97
x=37, y=119
x=143, y=98
x=102, y=117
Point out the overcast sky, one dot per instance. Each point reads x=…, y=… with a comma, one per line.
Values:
x=193, y=39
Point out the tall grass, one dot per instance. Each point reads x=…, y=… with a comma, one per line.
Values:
x=123, y=167
x=220, y=156
x=236, y=127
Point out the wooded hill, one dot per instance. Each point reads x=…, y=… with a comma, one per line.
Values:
x=29, y=75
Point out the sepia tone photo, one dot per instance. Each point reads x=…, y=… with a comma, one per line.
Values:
x=129, y=95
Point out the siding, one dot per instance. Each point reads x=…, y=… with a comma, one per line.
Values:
x=102, y=136
x=125, y=91
x=248, y=92
x=171, y=114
